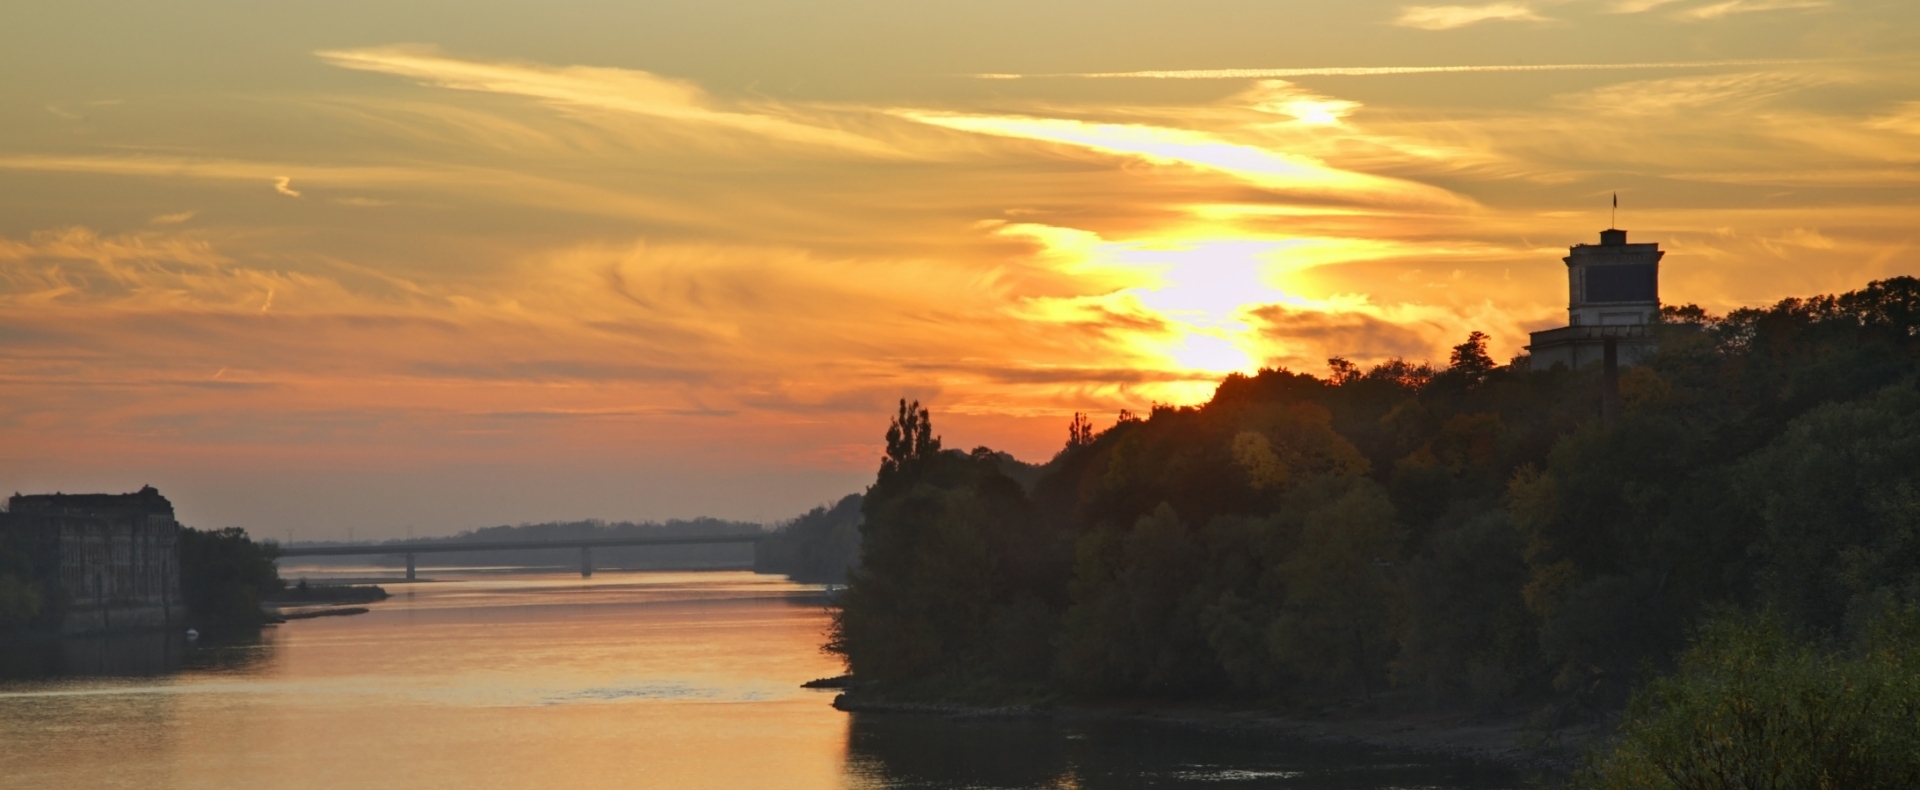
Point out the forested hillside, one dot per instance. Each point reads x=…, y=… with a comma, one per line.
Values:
x=1473, y=532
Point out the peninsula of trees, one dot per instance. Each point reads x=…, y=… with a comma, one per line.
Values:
x=1475, y=533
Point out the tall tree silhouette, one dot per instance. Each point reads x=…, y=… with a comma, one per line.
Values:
x=1079, y=432
x=1470, y=359
x=910, y=439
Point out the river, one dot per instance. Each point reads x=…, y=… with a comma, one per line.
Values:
x=551, y=681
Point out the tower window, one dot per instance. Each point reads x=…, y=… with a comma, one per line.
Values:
x=1631, y=282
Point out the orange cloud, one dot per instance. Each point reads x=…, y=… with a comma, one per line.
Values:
x=1276, y=170
x=1448, y=17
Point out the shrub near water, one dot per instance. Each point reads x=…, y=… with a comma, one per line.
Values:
x=224, y=575
x=1752, y=708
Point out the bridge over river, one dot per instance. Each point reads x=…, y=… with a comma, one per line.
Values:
x=586, y=546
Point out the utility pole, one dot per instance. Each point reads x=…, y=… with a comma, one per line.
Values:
x=1610, y=381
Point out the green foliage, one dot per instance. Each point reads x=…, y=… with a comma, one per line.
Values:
x=1468, y=631
x=955, y=584
x=1473, y=532
x=224, y=575
x=1752, y=708
x=1343, y=608
x=1133, y=624
x=1761, y=462
x=1835, y=495
x=929, y=599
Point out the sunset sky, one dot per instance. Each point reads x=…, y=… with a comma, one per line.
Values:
x=441, y=265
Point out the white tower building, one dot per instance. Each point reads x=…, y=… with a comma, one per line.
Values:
x=1613, y=293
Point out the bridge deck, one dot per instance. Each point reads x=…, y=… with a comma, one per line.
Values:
x=426, y=547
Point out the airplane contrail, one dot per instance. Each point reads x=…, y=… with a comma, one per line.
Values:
x=1368, y=71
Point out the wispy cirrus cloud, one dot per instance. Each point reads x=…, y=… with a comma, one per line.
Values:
x=510, y=186
x=627, y=91
x=1636, y=6
x=1678, y=94
x=211, y=168
x=1381, y=71
x=1851, y=178
x=1904, y=118
x=1733, y=7
x=1281, y=171
x=1280, y=97
x=1449, y=17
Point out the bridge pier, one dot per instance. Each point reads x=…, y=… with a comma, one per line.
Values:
x=586, y=562
x=409, y=566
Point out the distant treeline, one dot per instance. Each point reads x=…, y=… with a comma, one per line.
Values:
x=726, y=555
x=818, y=547
x=1473, y=532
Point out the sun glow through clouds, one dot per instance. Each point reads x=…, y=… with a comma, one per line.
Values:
x=608, y=242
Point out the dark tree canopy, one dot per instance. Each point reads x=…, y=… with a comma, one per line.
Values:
x=1474, y=532
x=224, y=575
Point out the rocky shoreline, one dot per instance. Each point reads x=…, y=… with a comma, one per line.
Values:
x=1490, y=739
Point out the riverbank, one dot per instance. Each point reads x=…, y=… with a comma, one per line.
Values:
x=304, y=594
x=309, y=614
x=307, y=601
x=1506, y=740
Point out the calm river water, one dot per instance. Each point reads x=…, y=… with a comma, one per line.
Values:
x=644, y=680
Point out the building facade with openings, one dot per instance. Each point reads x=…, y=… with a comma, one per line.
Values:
x=1613, y=294
x=112, y=560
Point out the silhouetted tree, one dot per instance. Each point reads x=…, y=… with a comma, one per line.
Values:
x=910, y=440
x=1470, y=359
x=224, y=575
x=1079, y=432
x=1341, y=371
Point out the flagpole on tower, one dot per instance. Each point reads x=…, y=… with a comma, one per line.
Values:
x=1614, y=222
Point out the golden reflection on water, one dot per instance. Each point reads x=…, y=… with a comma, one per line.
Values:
x=683, y=680
x=642, y=680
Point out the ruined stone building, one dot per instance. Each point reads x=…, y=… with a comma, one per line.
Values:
x=113, y=559
x=1613, y=299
